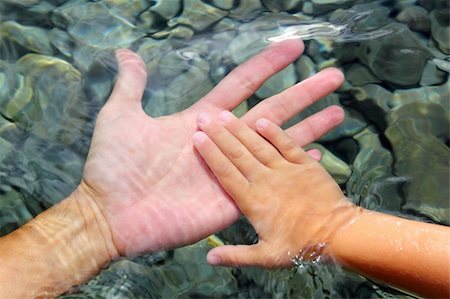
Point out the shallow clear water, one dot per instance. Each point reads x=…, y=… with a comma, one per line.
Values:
x=391, y=153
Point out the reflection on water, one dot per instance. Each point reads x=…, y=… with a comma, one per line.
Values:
x=391, y=153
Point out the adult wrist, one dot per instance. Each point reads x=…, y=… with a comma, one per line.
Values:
x=60, y=248
x=75, y=236
x=96, y=227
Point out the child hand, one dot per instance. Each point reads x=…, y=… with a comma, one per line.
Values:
x=292, y=202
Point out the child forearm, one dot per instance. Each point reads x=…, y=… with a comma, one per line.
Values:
x=407, y=254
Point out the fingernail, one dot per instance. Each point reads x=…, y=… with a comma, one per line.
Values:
x=225, y=116
x=214, y=260
x=315, y=154
x=262, y=123
x=198, y=138
x=203, y=119
x=120, y=52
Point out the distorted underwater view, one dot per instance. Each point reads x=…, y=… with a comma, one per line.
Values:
x=391, y=153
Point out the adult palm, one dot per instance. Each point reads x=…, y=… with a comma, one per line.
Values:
x=152, y=187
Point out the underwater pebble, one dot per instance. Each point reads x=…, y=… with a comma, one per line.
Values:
x=440, y=28
x=372, y=184
x=443, y=65
x=187, y=88
x=277, y=83
x=150, y=22
x=197, y=15
x=291, y=4
x=166, y=9
x=25, y=3
x=126, y=9
x=372, y=101
x=246, y=10
x=32, y=38
x=416, y=148
x=357, y=74
x=398, y=58
x=244, y=46
x=415, y=17
x=325, y=6
x=437, y=94
x=305, y=67
x=61, y=41
x=223, y=4
x=432, y=75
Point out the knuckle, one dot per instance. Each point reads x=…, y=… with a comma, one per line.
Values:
x=257, y=148
x=236, y=154
x=225, y=172
x=289, y=145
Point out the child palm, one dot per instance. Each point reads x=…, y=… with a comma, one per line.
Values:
x=291, y=201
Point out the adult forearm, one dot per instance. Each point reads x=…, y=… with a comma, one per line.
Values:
x=407, y=254
x=60, y=248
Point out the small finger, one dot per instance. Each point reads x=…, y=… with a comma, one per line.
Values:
x=235, y=256
x=255, y=144
x=315, y=154
x=284, y=144
x=229, y=177
x=233, y=149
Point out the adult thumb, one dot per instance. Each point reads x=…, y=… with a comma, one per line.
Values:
x=131, y=80
x=234, y=256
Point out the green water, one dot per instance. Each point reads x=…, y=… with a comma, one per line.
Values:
x=391, y=154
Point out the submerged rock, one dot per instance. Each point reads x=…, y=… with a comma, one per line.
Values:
x=305, y=67
x=362, y=18
x=198, y=15
x=244, y=46
x=24, y=3
x=166, y=9
x=150, y=22
x=415, y=17
x=104, y=31
x=182, y=273
x=422, y=158
x=93, y=24
x=397, y=58
x=372, y=184
x=223, y=4
x=432, y=75
x=61, y=41
x=372, y=101
x=440, y=28
x=246, y=10
x=34, y=39
x=437, y=94
x=13, y=210
x=53, y=79
x=126, y=9
x=324, y=6
x=277, y=83
x=358, y=74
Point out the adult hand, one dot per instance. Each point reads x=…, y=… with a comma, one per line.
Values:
x=143, y=173
x=294, y=205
